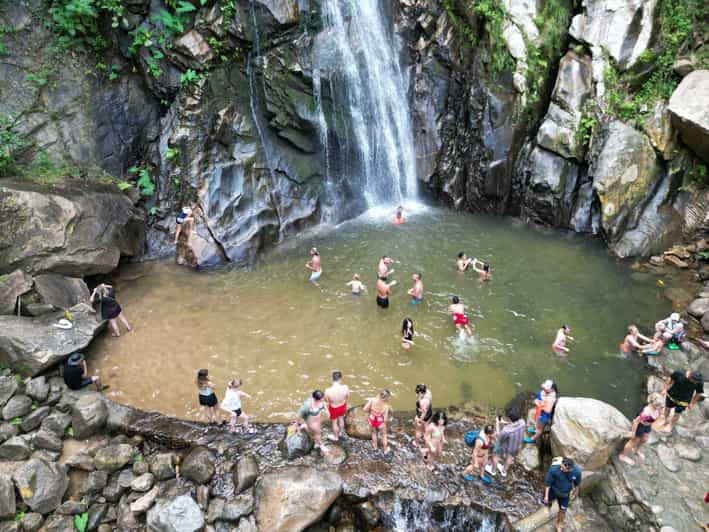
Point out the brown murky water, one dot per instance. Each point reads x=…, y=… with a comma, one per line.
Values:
x=283, y=336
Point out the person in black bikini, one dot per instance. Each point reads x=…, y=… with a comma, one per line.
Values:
x=424, y=411
x=407, y=334
x=110, y=309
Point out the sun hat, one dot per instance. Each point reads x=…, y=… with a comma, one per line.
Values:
x=674, y=316
x=75, y=359
x=63, y=324
x=548, y=384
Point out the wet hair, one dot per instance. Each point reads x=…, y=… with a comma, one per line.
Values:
x=382, y=277
x=418, y=275
x=565, y=327
x=630, y=328
x=455, y=300
x=568, y=463
x=486, y=267
x=461, y=254
x=318, y=395
x=385, y=257
x=355, y=277
x=407, y=324
x=234, y=383
x=438, y=415
x=513, y=414
x=489, y=429
x=421, y=388
x=202, y=377
x=336, y=376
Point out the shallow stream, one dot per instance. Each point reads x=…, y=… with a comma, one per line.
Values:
x=283, y=336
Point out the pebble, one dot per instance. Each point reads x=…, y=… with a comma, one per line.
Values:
x=688, y=452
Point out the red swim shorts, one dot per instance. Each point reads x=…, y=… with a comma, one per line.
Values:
x=376, y=421
x=460, y=319
x=337, y=411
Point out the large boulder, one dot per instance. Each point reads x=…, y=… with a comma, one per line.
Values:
x=61, y=292
x=13, y=285
x=74, y=230
x=32, y=345
x=624, y=172
x=291, y=499
x=296, y=445
x=41, y=484
x=14, y=449
x=245, y=473
x=624, y=28
x=199, y=465
x=7, y=498
x=88, y=415
x=587, y=430
x=689, y=111
x=8, y=387
x=357, y=424
x=176, y=514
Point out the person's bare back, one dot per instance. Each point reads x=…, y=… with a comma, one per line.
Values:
x=337, y=394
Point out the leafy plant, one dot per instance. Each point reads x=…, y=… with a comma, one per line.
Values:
x=70, y=432
x=145, y=182
x=124, y=185
x=703, y=255
x=81, y=521
x=228, y=9
x=190, y=76
x=138, y=458
x=171, y=153
x=19, y=516
x=492, y=12
x=39, y=79
x=459, y=23
x=113, y=73
x=35, y=405
x=12, y=145
x=153, y=211
x=16, y=421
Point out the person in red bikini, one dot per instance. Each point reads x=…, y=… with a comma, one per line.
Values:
x=460, y=318
x=336, y=397
x=378, y=408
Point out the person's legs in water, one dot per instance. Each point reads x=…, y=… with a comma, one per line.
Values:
x=124, y=321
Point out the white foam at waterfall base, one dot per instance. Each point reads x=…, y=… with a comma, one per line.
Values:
x=376, y=96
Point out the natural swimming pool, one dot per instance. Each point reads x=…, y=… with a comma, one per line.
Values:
x=283, y=336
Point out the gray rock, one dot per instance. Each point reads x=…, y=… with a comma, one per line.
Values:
x=35, y=418
x=46, y=439
x=143, y=483
x=143, y=504
x=688, y=452
x=82, y=461
x=113, y=490
x=7, y=498
x=58, y=523
x=126, y=478
x=658, y=127
x=528, y=457
x=37, y=388
x=296, y=445
x=32, y=522
x=194, y=46
x=41, y=485
x=705, y=322
x=162, y=466
x=46, y=455
x=8, y=387
x=57, y=422
x=293, y=498
x=333, y=454
x=668, y=457
x=689, y=115
x=15, y=448
x=140, y=467
x=7, y=431
x=698, y=307
x=246, y=472
x=17, y=406
x=89, y=415
x=230, y=510
x=13, y=285
x=113, y=457
x=72, y=507
x=94, y=483
x=61, y=292
x=178, y=514
x=97, y=513
x=32, y=345
x=199, y=465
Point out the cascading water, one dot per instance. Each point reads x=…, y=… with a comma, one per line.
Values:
x=366, y=62
x=415, y=516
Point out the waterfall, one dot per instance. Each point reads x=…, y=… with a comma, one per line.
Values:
x=376, y=96
x=409, y=516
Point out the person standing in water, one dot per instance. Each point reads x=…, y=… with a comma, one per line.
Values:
x=356, y=285
x=314, y=266
x=110, y=309
x=416, y=292
x=384, y=291
x=399, y=215
x=559, y=345
x=383, y=267
x=460, y=318
x=632, y=340
x=232, y=404
x=310, y=412
x=407, y=333
x=207, y=398
x=463, y=262
x=336, y=397
x=483, y=269
x=378, y=408
x=424, y=411
x=434, y=438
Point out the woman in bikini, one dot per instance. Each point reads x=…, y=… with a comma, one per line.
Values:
x=642, y=427
x=310, y=414
x=481, y=453
x=424, y=411
x=378, y=408
x=407, y=334
x=435, y=437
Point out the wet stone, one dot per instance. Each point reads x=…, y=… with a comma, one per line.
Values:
x=7, y=431
x=198, y=465
x=113, y=457
x=32, y=522
x=34, y=420
x=142, y=483
x=80, y=461
x=16, y=448
x=126, y=478
x=140, y=467
x=162, y=466
x=17, y=406
x=246, y=472
x=8, y=387
x=44, y=439
x=95, y=482
x=37, y=388
x=57, y=422
x=668, y=457
x=72, y=508
x=97, y=513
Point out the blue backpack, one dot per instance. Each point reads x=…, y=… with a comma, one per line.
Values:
x=471, y=436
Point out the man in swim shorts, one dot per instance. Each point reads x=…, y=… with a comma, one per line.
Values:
x=383, y=268
x=416, y=292
x=683, y=390
x=336, y=397
x=460, y=318
x=559, y=345
x=562, y=480
x=383, y=291
x=314, y=266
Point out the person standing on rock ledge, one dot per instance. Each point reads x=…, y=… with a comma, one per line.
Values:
x=336, y=397
x=310, y=412
x=682, y=390
x=184, y=219
x=562, y=481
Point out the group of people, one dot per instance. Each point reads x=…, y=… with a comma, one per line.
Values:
x=669, y=331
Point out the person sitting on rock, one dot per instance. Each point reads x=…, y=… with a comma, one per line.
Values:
x=674, y=329
x=310, y=412
x=184, y=219
x=562, y=481
x=642, y=427
x=683, y=390
x=654, y=347
x=75, y=373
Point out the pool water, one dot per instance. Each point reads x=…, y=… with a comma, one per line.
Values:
x=284, y=336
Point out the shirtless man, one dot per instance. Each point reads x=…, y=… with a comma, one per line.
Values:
x=632, y=340
x=384, y=291
x=463, y=262
x=336, y=397
x=559, y=345
x=383, y=268
x=416, y=292
x=314, y=266
x=460, y=317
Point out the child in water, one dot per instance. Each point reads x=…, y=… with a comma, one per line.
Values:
x=207, y=398
x=483, y=269
x=232, y=404
x=356, y=285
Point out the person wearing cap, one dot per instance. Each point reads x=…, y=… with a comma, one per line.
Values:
x=674, y=329
x=682, y=391
x=544, y=403
x=75, y=373
x=562, y=481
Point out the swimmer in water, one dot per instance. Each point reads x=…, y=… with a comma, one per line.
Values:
x=384, y=291
x=483, y=269
x=460, y=317
x=632, y=340
x=463, y=262
x=399, y=215
x=383, y=268
x=356, y=285
x=559, y=345
x=314, y=266
x=407, y=333
x=416, y=292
